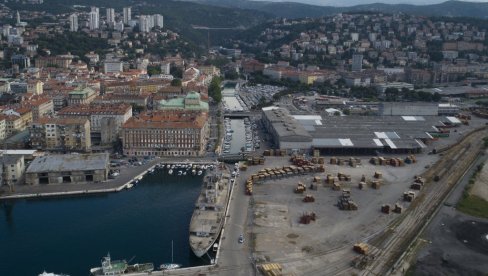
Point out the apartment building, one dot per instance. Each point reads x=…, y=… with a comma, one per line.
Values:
x=61, y=134
x=13, y=168
x=106, y=120
x=163, y=133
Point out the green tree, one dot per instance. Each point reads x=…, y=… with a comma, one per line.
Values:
x=214, y=89
x=176, y=82
x=153, y=70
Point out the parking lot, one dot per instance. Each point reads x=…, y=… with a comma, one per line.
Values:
x=251, y=95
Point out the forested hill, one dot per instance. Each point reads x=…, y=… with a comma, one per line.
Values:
x=297, y=10
x=178, y=16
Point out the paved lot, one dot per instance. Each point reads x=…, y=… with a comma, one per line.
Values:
x=451, y=240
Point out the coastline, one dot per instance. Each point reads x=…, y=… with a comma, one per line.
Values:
x=118, y=184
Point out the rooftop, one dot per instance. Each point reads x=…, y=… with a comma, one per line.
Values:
x=69, y=162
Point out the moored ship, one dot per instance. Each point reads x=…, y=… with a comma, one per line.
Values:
x=208, y=217
x=120, y=267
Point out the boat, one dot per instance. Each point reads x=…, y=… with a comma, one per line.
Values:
x=51, y=274
x=180, y=172
x=215, y=247
x=200, y=172
x=130, y=185
x=208, y=217
x=168, y=166
x=120, y=267
x=172, y=265
x=184, y=173
x=193, y=172
x=170, y=171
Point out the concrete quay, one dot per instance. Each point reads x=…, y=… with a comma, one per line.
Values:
x=127, y=175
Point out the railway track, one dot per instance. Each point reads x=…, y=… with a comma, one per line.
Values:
x=451, y=166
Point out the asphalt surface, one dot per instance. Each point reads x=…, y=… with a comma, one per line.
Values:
x=456, y=243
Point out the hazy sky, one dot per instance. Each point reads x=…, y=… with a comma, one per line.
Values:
x=359, y=2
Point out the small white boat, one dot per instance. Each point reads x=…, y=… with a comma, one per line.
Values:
x=130, y=185
x=170, y=171
x=184, y=173
x=180, y=172
x=199, y=172
x=168, y=166
x=193, y=172
x=51, y=274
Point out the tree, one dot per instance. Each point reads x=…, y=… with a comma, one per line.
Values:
x=214, y=89
x=153, y=70
x=176, y=82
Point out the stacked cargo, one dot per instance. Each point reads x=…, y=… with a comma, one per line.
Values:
x=378, y=175
x=300, y=188
x=409, y=196
x=343, y=177
x=306, y=218
x=336, y=186
x=361, y=248
x=345, y=201
x=418, y=183
x=398, y=208
x=249, y=185
x=271, y=269
x=255, y=160
x=385, y=208
x=410, y=159
x=376, y=184
x=397, y=162
x=309, y=198
x=362, y=185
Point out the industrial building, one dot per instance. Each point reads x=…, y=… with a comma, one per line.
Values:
x=68, y=168
x=351, y=134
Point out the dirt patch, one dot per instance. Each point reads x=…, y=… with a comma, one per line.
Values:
x=292, y=236
x=480, y=187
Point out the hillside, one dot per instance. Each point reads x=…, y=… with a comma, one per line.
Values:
x=178, y=16
x=297, y=10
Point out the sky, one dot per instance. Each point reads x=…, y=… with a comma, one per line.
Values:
x=344, y=3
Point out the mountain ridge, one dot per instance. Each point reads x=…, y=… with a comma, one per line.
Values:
x=298, y=10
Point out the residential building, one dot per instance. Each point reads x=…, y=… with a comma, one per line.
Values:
x=158, y=20
x=357, y=63
x=113, y=65
x=161, y=133
x=3, y=127
x=106, y=120
x=127, y=15
x=68, y=168
x=191, y=102
x=22, y=60
x=40, y=107
x=61, y=134
x=81, y=96
x=54, y=61
x=73, y=22
x=17, y=120
x=110, y=16
x=13, y=168
x=94, y=18
x=145, y=23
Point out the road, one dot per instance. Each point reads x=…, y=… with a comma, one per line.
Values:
x=235, y=257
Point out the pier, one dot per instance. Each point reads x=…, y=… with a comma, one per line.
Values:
x=123, y=181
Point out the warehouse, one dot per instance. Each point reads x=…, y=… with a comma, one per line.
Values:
x=68, y=168
x=285, y=130
x=351, y=134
